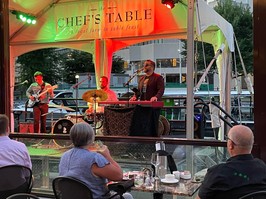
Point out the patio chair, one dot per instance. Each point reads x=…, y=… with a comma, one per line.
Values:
x=15, y=179
x=69, y=188
x=23, y=196
x=255, y=195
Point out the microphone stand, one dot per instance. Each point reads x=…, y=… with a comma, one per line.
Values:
x=127, y=83
x=76, y=87
x=78, y=83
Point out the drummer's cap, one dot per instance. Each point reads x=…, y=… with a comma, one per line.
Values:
x=37, y=73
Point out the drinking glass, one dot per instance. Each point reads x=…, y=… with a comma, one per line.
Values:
x=155, y=161
x=96, y=146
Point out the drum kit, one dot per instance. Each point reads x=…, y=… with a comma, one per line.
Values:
x=63, y=126
x=95, y=96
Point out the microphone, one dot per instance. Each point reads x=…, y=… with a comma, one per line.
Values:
x=139, y=70
x=25, y=82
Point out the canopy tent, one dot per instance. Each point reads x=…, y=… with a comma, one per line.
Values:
x=101, y=27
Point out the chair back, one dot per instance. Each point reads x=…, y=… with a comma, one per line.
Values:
x=69, y=188
x=15, y=179
x=255, y=195
x=22, y=196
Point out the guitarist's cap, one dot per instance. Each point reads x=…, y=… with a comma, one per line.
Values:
x=37, y=73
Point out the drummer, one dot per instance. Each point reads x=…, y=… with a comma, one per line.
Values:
x=111, y=96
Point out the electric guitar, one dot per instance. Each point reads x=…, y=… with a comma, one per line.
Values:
x=36, y=96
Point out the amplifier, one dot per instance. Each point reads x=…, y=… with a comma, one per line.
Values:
x=26, y=127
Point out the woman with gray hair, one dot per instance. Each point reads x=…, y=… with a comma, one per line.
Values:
x=92, y=168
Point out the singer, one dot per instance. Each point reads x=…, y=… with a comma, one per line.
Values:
x=39, y=93
x=151, y=88
x=151, y=85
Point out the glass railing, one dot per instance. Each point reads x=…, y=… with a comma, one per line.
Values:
x=132, y=153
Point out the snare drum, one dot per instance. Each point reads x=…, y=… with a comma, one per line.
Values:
x=98, y=116
x=75, y=118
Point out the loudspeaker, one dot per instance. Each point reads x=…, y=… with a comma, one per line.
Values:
x=26, y=127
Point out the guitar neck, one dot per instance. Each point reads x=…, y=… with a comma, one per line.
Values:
x=45, y=91
x=42, y=93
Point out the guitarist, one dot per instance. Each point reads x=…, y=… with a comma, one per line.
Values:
x=41, y=103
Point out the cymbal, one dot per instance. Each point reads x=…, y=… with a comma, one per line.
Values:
x=60, y=106
x=94, y=95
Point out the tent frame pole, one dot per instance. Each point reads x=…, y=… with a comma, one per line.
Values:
x=190, y=67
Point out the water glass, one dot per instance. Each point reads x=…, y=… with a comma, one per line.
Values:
x=96, y=146
x=155, y=161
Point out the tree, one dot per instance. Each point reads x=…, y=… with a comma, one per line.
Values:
x=118, y=65
x=59, y=65
x=208, y=53
x=76, y=61
x=80, y=62
x=241, y=19
x=44, y=60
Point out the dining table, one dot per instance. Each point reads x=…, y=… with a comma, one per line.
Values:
x=184, y=187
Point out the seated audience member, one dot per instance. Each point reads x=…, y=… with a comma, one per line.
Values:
x=92, y=168
x=240, y=174
x=11, y=152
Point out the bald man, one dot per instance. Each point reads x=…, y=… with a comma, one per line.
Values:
x=240, y=174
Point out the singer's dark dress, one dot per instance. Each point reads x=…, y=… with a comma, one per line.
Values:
x=145, y=119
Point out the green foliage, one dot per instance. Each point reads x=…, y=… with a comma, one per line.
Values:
x=118, y=65
x=201, y=50
x=59, y=65
x=76, y=62
x=241, y=19
x=208, y=53
x=44, y=60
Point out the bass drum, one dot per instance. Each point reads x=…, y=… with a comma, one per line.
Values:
x=62, y=127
